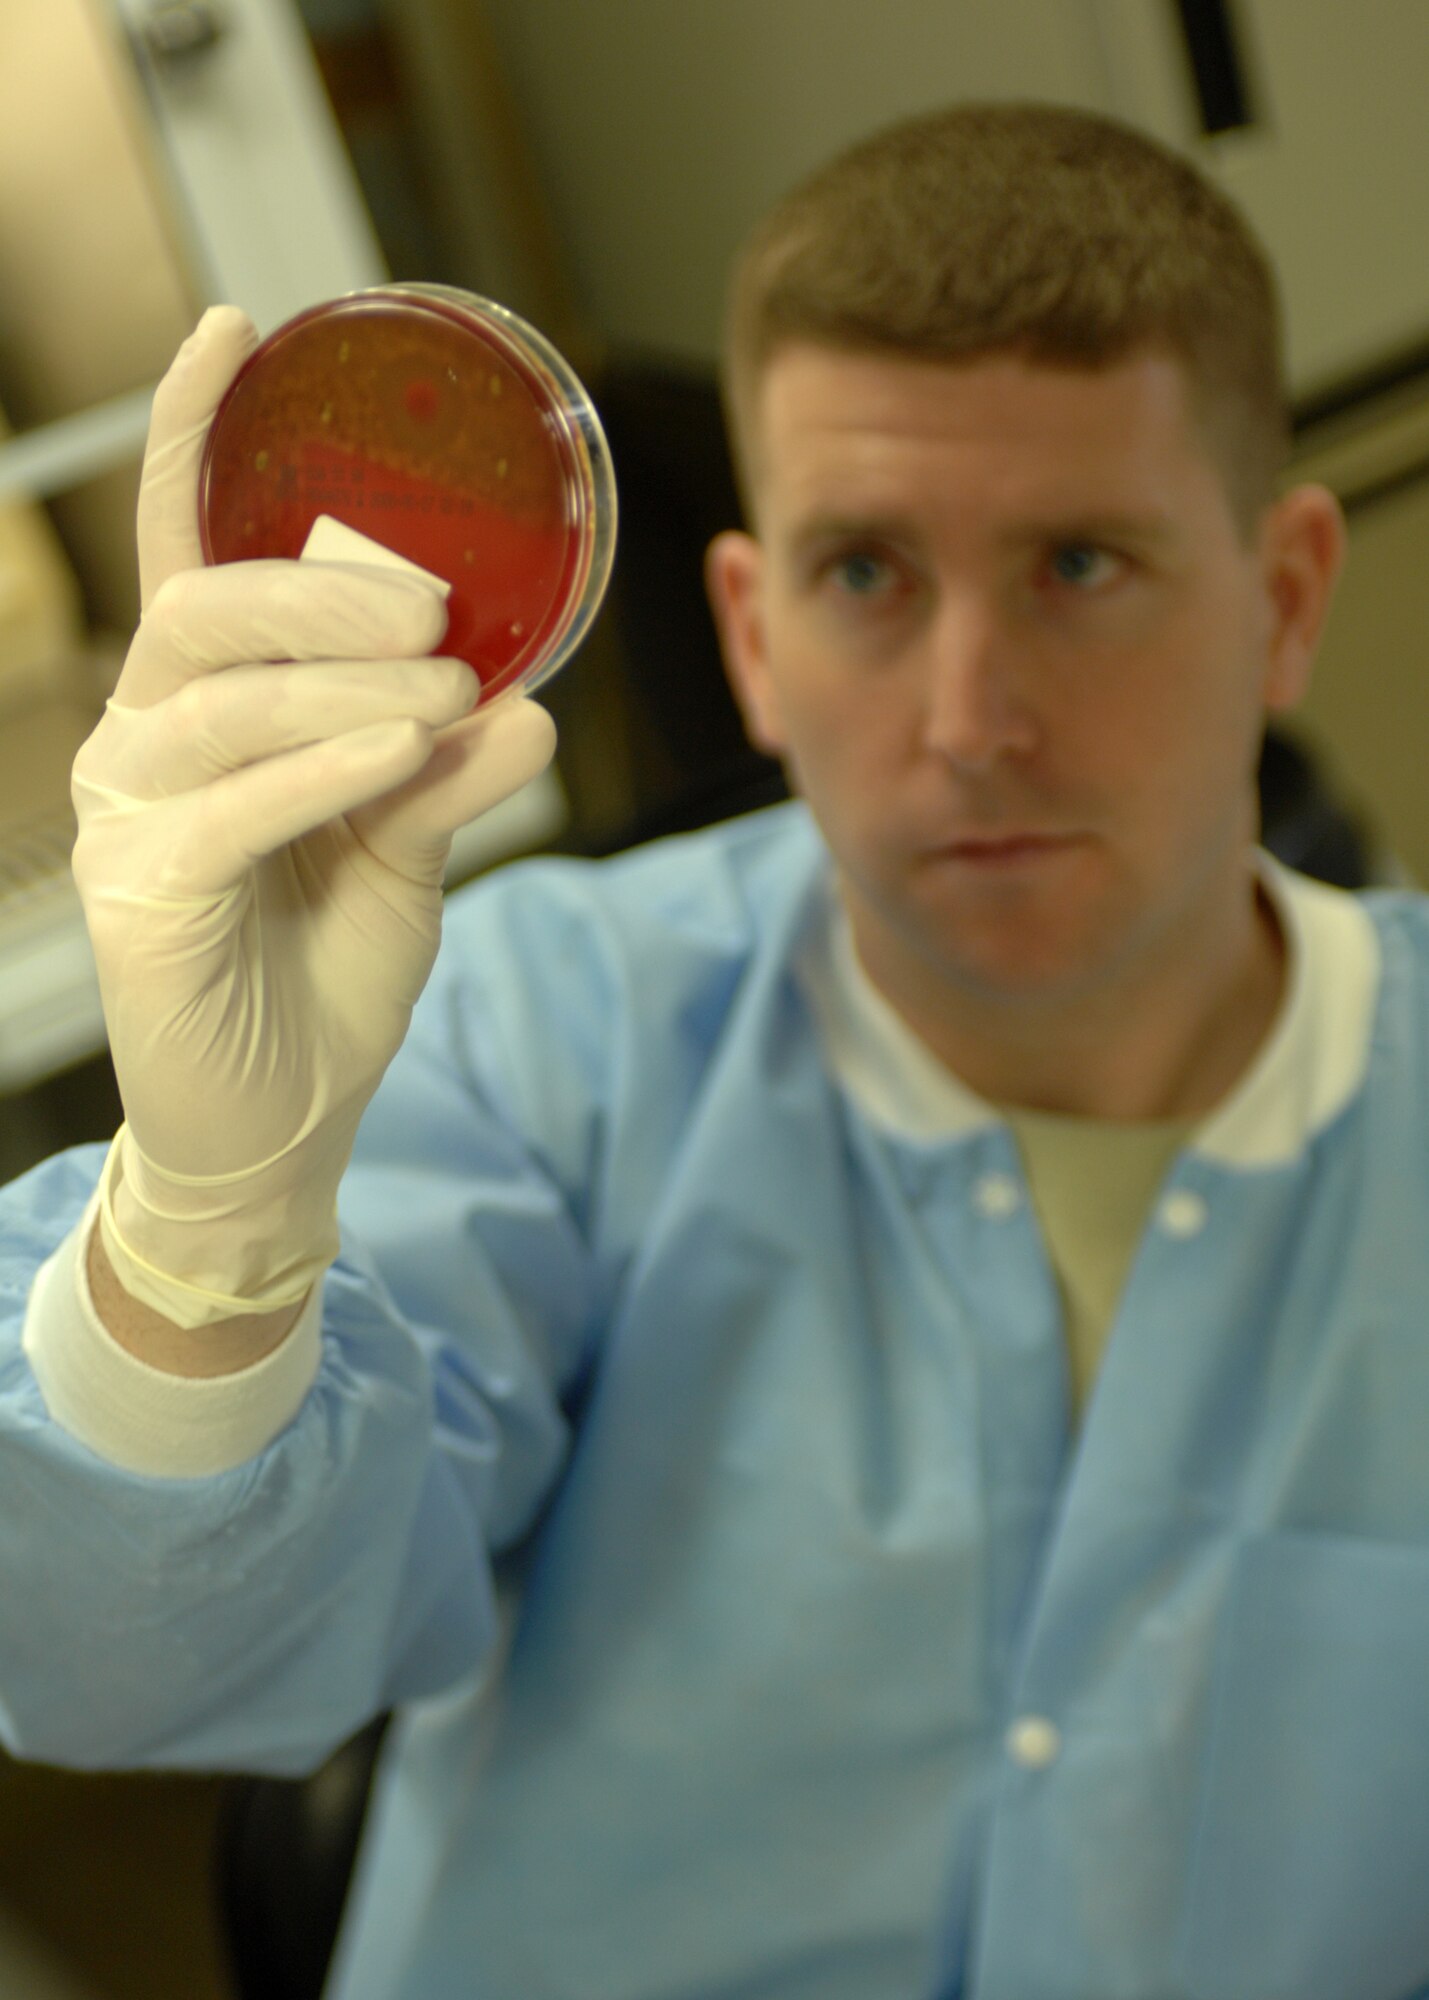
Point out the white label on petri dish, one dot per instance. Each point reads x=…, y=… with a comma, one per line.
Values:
x=332, y=541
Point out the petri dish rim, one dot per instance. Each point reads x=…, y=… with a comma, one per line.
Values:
x=572, y=425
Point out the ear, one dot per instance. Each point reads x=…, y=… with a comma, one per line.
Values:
x=734, y=579
x=1302, y=551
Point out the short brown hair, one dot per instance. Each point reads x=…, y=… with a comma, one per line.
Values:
x=1062, y=236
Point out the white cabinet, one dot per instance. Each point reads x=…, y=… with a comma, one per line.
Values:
x=1333, y=171
x=244, y=136
x=664, y=128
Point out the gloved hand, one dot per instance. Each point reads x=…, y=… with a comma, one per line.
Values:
x=264, y=815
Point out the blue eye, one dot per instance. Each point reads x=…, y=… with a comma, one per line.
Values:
x=861, y=574
x=1079, y=563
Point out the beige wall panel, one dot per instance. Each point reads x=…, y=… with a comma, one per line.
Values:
x=40, y=609
x=95, y=299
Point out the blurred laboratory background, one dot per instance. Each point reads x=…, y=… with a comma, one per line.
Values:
x=593, y=164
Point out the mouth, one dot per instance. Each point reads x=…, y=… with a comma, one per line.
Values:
x=1009, y=850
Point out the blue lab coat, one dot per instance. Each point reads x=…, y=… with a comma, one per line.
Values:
x=691, y=1457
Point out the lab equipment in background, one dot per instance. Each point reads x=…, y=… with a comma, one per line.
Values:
x=213, y=174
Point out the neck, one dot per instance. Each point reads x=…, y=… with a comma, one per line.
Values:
x=1168, y=1040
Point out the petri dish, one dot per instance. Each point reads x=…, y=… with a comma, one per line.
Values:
x=442, y=428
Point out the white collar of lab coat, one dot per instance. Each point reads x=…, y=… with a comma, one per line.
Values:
x=1304, y=1073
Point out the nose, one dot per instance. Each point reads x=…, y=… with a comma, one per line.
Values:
x=976, y=710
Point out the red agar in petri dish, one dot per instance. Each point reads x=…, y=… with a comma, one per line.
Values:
x=444, y=428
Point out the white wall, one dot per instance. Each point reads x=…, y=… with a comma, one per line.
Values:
x=663, y=128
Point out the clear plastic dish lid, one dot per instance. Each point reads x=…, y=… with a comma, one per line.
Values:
x=426, y=423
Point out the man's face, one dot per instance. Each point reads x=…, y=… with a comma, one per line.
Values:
x=1001, y=626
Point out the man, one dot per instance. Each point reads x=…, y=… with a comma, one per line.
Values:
x=869, y=1412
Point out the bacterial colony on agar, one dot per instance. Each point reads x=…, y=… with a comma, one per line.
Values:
x=448, y=431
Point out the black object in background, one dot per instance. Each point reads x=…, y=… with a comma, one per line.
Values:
x=655, y=655
x=1214, y=50
x=283, y=1856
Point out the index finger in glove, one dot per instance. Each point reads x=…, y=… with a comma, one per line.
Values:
x=273, y=609
x=184, y=404
x=476, y=763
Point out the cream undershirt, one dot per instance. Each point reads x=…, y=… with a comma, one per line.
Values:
x=1093, y=1185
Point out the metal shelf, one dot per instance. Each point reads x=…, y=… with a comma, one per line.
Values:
x=52, y=458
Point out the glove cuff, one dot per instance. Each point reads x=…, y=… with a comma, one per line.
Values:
x=203, y=1251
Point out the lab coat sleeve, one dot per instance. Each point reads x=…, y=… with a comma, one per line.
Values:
x=138, y=1416
x=254, y=1617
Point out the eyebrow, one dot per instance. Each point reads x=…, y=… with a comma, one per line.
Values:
x=1149, y=529
x=817, y=529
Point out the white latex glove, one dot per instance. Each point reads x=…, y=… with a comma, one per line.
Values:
x=260, y=858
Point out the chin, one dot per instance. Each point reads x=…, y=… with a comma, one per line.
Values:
x=1048, y=955
x=1009, y=980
